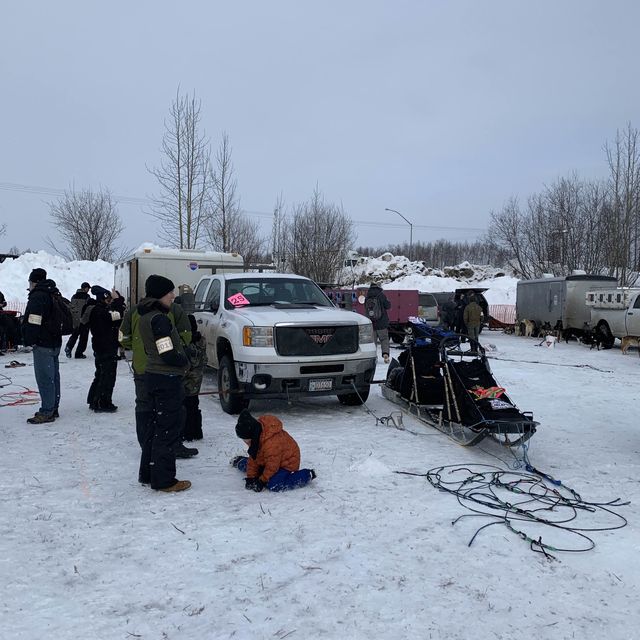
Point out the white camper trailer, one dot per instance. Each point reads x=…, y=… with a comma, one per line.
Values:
x=182, y=266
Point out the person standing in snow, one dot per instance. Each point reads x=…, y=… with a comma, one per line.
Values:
x=104, y=322
x=274, y=456
x=376, y=305
x=472, y=317
x=9, y=332
x=42, y=333
x=80, y=330
x=166, y=366
x=461, y=303
x=197, y=354
x=448, y=314
x=131, y=339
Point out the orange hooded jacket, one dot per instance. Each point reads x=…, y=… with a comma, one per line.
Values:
x=277, y=450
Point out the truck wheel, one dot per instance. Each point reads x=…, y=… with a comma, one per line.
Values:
x=231, y=400
x=354, y=399
x=605, y=335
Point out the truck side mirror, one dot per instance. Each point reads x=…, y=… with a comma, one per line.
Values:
x=215, y=305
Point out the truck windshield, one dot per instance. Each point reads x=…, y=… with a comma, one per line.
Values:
x=262, y=291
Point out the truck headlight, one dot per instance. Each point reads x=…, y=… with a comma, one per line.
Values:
x=365, y=333
x=257, y=336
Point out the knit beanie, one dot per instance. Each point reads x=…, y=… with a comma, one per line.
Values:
x=100, y=292
x=248, y=428
x=158, y=286
x=37, y=275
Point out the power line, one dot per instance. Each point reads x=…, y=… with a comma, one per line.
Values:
x=52, y=191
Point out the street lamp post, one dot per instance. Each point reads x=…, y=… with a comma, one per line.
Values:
x=410, y=231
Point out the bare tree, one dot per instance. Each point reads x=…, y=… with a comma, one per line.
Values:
x=278, y=234
x=225, y=204
x=624, y=224
x=3, y=229
x=318, y=235
x=184, y=176
x=246, y=239
x=228, y=228
x=88, y=224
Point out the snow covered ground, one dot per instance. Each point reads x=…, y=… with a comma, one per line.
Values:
x=363, y=552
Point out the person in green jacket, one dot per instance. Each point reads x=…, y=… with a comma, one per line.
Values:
x=165, y=368
x=131, y=340
x=472, y=316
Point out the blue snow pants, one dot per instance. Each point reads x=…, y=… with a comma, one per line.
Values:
x=282, y=480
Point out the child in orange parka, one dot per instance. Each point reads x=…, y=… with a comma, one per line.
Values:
x=274, y=456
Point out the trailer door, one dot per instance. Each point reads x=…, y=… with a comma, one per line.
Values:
x=555, y=303
x=133, y=281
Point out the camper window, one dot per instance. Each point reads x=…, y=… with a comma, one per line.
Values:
x=636, y=304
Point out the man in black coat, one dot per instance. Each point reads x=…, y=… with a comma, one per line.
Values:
x=448, y=313
x=104, y=321
x=45, y=336
x=376, y=305
x=80, y=330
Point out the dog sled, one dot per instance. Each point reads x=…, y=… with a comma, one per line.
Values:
x=445, y=381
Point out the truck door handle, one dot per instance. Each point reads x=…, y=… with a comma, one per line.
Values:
x=199, y=320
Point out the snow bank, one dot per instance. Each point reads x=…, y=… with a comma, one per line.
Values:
x=14, y=274
x=398, y=272
x=392, y=272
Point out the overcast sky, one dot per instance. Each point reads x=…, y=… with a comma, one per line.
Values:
x=440, y=110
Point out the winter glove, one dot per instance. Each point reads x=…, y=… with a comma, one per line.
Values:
x=234, y=461
x=255, y=484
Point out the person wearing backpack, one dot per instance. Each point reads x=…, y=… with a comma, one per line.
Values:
x=42, y=332
x=375, y=307
x=80, y=330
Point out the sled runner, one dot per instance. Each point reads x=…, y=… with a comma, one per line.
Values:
x=447, y=384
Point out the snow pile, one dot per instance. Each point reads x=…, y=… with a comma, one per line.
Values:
x=371, y=467
x=392, y=272
x=398, y=272
x=14, y=274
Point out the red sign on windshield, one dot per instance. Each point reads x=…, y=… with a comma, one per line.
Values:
x=237, y=300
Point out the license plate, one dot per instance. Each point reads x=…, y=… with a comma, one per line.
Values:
x=321, y=384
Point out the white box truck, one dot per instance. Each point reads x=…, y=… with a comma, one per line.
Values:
x=182, y=266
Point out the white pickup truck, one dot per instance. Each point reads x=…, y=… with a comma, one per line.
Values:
x=273, y=335
x=615, y=313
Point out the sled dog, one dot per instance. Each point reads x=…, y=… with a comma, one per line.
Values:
x=630, y=341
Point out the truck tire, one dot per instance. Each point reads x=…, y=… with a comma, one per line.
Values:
x=231, y=400
x=354, y=399
x=605, y=335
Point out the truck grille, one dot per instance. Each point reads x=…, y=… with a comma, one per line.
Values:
x=316, y=341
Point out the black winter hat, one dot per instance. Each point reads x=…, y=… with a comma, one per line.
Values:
x=248, y=428
x=158, y=286
x=37, y=275
x=85, y=285
x=100, y=292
